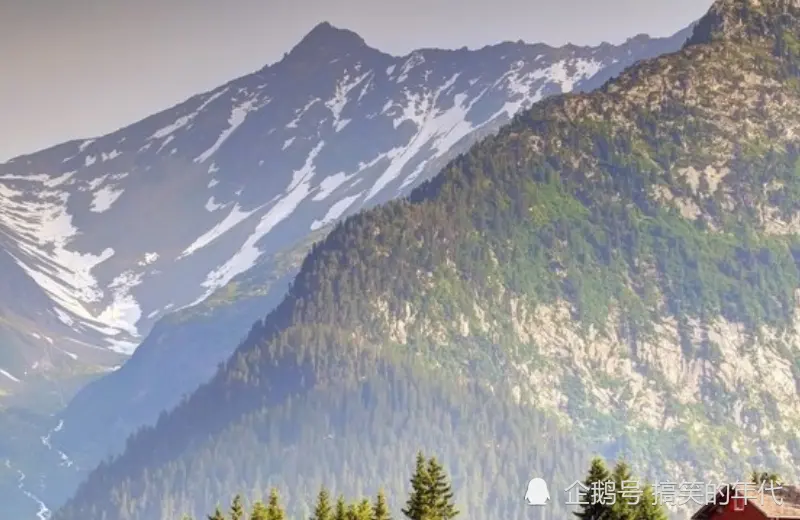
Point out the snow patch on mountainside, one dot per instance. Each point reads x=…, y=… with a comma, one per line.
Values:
x=9, y=376
x=416, y=58
x=109, y=156
x=171, y=128
x=445, y=128
x=148, y=259
x=330, y=183
x=340, y=99
x=238, y=115
x=335, y=212
x=124, y=312
x=248, y=254
x=300, y=113
x=44, y=228
x=104, y=198
x=235, y=216
x=184, y=121
x=212, y=206
x=560, y=74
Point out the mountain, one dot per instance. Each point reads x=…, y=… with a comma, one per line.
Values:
x=204, y=202
x=622, y=262
x=182, y=351
x=204, y=188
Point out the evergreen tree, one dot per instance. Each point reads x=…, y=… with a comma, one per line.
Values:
x=765, y=477
x=380, y=510
x=593, y=507
x=416, y=504
x=322, y=510
x=218, y=514
x=260, y=511
x=648, y=508
x=623, y=507
x=237, y=509
x=340, y=512
x=440, y=494
x=274, y=510
x=364, y=510
x=431, y=496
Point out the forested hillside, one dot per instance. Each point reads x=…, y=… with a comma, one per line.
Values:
x=350, y=423
x=623, y=263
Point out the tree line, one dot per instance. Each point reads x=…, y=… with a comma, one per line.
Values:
x=604, y=497
x=431, y=498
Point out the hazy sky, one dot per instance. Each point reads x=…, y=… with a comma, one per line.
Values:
x=80, y=68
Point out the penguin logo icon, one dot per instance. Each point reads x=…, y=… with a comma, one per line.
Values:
x=537, y=493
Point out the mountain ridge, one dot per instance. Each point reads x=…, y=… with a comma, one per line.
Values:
x=325, y=28
x=207, y=189
x=626, y=260
x=106, y=184
x=742, y=20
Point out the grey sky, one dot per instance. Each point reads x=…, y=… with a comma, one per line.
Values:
x=80, y=68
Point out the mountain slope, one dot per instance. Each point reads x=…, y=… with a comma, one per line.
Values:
x=205, y=187
x=182, y=351
x=407, y=409
x=624, y=260
x=306, y=153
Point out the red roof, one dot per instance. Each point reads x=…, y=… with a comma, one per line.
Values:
x=784, y=504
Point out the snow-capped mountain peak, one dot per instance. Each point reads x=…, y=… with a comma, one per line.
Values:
x=112, y=232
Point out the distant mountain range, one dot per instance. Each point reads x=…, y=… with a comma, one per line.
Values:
x=208, y=208
x=615, y=271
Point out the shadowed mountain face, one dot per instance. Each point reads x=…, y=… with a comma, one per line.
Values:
x=623, y=261
x=213, y=200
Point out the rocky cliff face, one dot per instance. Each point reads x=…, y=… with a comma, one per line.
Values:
x=704, y=143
